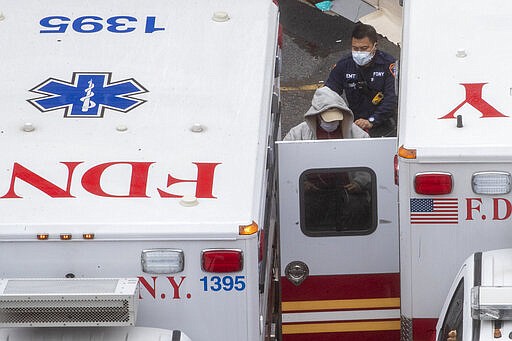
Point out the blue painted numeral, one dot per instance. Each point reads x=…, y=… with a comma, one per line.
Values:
x=117, y=26
x=87, y=24
x=54, y=24
x=225, y=283
x=151, y=25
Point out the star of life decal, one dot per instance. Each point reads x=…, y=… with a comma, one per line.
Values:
x=87, y=95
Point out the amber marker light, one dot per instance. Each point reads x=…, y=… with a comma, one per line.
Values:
x=88, y=235
x=43, y=236
x=406, y=153
x=245, y=230
x=65, y=236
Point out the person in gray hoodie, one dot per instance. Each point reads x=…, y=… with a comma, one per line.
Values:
x=329, y=117
x=332, y=199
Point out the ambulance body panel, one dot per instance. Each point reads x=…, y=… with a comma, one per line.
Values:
x=455, y=118
x=172, y=66
x=130, y=128
x=340, y=278
x=447, y=70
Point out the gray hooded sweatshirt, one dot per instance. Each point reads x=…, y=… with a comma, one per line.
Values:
x=324, y=99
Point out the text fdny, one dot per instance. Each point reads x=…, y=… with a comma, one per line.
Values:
x=94, y=180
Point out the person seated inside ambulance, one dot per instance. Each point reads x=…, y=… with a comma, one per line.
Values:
x=332, y=199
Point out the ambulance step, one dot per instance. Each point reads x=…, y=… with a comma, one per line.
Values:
x=76, y=302
x=92, y=334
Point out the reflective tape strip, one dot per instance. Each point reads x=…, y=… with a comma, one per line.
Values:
x=350, y=315
x=309, y=328
x=393, y=302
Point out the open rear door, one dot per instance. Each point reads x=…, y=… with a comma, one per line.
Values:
x=339, y=240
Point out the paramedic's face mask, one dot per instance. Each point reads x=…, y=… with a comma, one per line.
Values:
x=363, y=50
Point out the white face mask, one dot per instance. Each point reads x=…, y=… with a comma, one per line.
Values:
x=363, y=57
x=329, y=126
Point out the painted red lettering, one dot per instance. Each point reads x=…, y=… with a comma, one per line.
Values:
x=149, y=288
x=26, y=175
x=204, y=182
x=496, y=205
x=470, y=207
x=176, y=286
x=474, y=98
x=91, y=180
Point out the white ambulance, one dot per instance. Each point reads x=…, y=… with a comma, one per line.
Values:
x=136, y=172
x=343, y=278
x=455, y=159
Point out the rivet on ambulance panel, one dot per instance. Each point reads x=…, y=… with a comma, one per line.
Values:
x=220, y=16
x=121, y=127
x=461, y=53
x=1, y=16
x=28, y=127
x=188, y=201
x=197, y=128
x=296, y=272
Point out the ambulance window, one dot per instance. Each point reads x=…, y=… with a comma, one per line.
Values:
x=454, y=314
x=337, y=202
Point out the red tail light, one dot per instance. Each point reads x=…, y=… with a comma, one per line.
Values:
x=221, y=260
x=433, y=183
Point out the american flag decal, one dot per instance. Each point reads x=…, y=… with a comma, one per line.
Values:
x=435, y=211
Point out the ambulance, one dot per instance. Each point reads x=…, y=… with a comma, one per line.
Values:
x=137, y=172
x=454, y=170
x=429, y=259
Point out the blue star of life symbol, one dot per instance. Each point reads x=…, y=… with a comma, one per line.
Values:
x=87, y=95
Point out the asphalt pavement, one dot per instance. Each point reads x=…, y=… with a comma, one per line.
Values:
x=313, y=42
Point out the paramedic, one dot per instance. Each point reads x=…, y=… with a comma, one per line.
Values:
x=368, y=78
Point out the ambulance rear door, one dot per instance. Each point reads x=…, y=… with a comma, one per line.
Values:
x=339, y=246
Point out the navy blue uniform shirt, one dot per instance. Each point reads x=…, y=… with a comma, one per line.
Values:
x=378, y=75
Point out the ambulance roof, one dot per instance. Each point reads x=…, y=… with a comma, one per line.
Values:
x=123, y=81
x=455, y=61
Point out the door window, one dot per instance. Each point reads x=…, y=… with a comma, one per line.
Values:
x=454, y=315
x=336, y=202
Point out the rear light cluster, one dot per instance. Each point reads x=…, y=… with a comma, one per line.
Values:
x=169, y=261
x=438, y=183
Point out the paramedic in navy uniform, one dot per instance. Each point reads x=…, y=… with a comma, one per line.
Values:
x=368, y=79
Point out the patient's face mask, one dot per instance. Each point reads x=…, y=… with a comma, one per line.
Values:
x=329, y=126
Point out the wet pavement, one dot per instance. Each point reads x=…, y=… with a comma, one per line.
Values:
x=313, y=42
